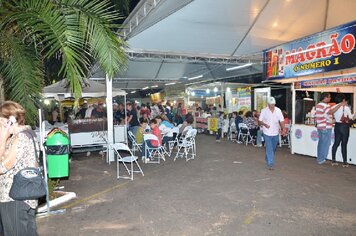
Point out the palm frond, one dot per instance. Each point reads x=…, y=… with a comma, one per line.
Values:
x=96, y=19
x=22, y=73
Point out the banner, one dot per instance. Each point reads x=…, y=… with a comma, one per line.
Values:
x=261, y=95
x=244, y=99
x=327, y=82
x=329, y=50
x=213, y=124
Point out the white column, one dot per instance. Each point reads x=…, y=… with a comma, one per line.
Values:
x=354, y=105
x=293, y=117
x=110, y=117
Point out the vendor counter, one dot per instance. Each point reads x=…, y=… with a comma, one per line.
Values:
x=305, y=141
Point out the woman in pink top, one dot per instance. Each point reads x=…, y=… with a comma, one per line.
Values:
x=152, y=143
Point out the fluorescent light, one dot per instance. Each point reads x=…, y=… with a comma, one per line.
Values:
x=193, y=93
x=145, y=88
x=228, y=89
x=216, y=90
x=133, y=92
x=171, y=83
x=207, y=91
x=239, y=67
x=154, y=86
x=196, y=77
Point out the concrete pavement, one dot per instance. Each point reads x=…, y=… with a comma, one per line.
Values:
x=225, y=191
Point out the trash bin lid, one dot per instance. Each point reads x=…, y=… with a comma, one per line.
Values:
x=57, y=139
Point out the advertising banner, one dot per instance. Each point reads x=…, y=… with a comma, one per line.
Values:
x=261, y=96
x=244, y=99
x=326, y=82
x=329, y=50
x=213, y=124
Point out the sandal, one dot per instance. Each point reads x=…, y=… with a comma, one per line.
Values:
x=334, y=164
x=345, y=165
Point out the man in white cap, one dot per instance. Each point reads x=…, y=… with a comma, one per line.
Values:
x=272, y=121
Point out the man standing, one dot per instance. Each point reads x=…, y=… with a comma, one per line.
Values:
x=323, y=119
x=272, y=121
x=132, y=118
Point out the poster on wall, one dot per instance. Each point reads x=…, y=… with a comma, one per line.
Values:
x=261, y=95
x=330, y=50
x=231, y=100
x=244, y=99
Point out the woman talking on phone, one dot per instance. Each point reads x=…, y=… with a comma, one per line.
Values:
x=17, y=151
x=342, y=129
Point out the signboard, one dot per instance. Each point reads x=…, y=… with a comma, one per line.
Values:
x=261, y=96
x=326, y=82
x=244, y=99
x=213, y=124
x=329, y=50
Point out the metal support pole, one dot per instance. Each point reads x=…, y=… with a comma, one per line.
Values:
x=110, y=117
x=293, y=116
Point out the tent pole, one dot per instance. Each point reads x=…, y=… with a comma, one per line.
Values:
x=293, y=115
x=109, y=117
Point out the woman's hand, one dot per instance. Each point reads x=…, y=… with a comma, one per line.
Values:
x=5, y=131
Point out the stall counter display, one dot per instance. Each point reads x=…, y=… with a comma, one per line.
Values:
x=305, y=141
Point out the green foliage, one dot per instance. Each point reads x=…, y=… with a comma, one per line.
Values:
x=77, y=31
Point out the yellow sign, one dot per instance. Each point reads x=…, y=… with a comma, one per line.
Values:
x=213, y=124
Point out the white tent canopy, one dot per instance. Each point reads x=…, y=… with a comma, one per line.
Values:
x=172, y=41
x=61, y=90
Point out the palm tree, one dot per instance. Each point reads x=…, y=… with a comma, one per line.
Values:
x=77, y=32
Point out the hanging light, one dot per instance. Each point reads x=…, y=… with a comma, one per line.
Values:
x=216, y=90
x=207, y=91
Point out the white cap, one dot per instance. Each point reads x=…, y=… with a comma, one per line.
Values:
x=271, y=100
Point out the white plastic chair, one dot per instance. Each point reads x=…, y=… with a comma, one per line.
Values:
x=126, y=159
x=244, y=134
x=153, y=152
x=135, y=145
x=173, y=143
x=232, y=132
x=187, y=146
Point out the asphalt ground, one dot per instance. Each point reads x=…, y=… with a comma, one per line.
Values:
x=226, y=190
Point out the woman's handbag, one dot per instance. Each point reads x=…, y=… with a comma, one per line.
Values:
x=28, y=183
x=344, y=119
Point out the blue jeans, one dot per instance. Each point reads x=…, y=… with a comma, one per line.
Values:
x=271, y=145
x=134, y=129
x=144, y=145
x=323, y=144
x=218, y=134
x=259, y=137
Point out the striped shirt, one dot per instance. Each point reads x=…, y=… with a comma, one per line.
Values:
x=322, y=118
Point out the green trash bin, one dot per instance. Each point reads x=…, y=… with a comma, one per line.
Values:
x=57, y=150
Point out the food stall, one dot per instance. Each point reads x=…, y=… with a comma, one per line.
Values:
x=87, y=133
x=323, y=62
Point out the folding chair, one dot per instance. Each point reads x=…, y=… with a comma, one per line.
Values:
x=285, y=141
x=232, y=133
x=135, y=145
x=126, y=159
x=244, y=134
x=187, y=146
x=173, y=143
x=153, y=152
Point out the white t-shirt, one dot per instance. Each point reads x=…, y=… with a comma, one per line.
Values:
x=343, y=109
x=272, y=119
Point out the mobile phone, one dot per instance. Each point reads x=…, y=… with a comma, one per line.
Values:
x=11, y=121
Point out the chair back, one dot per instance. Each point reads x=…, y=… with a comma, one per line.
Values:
x=150, y=137
x=242, y=126
x=175, y=130
x=192, y=133
x=187, y=128
x=131, y=136
x=121, y=147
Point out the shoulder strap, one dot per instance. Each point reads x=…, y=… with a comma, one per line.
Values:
x=30, y=134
